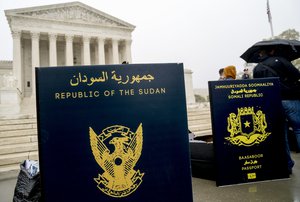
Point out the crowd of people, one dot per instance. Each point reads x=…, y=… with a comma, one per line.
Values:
x=229, y=73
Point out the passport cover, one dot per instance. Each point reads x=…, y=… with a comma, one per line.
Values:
x=248, y=130
x=113, y=133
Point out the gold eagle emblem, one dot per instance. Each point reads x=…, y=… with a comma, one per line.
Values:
x=117, y=150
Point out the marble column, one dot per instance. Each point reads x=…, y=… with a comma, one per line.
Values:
x=101, y=51
x=86, y=50
x=115, y=51
x=128, y=50
x=52, y=49
x=35, y=58
x=69, y=50
x=188, y=80
x=17, y=68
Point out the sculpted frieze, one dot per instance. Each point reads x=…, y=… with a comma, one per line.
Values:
x=73, y=14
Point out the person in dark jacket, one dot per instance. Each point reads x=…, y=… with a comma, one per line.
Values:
x=289, y=76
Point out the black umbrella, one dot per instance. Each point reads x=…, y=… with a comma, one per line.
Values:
x=289, y=49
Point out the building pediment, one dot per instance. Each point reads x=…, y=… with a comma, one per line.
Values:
x=74, y=12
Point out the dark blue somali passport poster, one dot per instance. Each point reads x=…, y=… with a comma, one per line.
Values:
x=248, y=131
x=113, y=133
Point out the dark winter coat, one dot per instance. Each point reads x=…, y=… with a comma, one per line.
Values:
x=288, y=74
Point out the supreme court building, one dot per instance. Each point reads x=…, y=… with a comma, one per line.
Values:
x=61, y=35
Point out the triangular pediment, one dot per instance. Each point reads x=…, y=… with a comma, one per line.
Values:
x=75, y=12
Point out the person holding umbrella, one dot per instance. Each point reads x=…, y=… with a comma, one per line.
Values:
x=273, y=59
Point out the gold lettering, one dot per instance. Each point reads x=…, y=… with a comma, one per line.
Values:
x=261, y=84
x=256, y=95
x=57, y=96
x=235, y=96
x=96, y=93
x=126, y=92
x=254, y=156
x=242, y=85
x=252, y=167
x=151, y=91
x=76, y=95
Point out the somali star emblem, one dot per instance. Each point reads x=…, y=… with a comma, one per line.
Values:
x=247, y=124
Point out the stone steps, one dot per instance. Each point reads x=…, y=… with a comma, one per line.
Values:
x=198, y=116
x=199, y=121
x=17, y=158
x=12, y=127
x=18, y=142
x=9, y=171
x=18, y=139
x=17, y=148
x=18, y=133
x=17, y=121
x=203, y=133
x=195, y=128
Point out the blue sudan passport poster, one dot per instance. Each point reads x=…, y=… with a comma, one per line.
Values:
x=248, y=130
x=113, y=133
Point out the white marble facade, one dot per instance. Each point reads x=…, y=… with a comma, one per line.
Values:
x=64, y=35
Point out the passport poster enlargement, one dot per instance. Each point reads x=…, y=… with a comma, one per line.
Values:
x=248, y=130
x=113, y=133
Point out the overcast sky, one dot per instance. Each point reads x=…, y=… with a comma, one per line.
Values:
x=204, y=35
